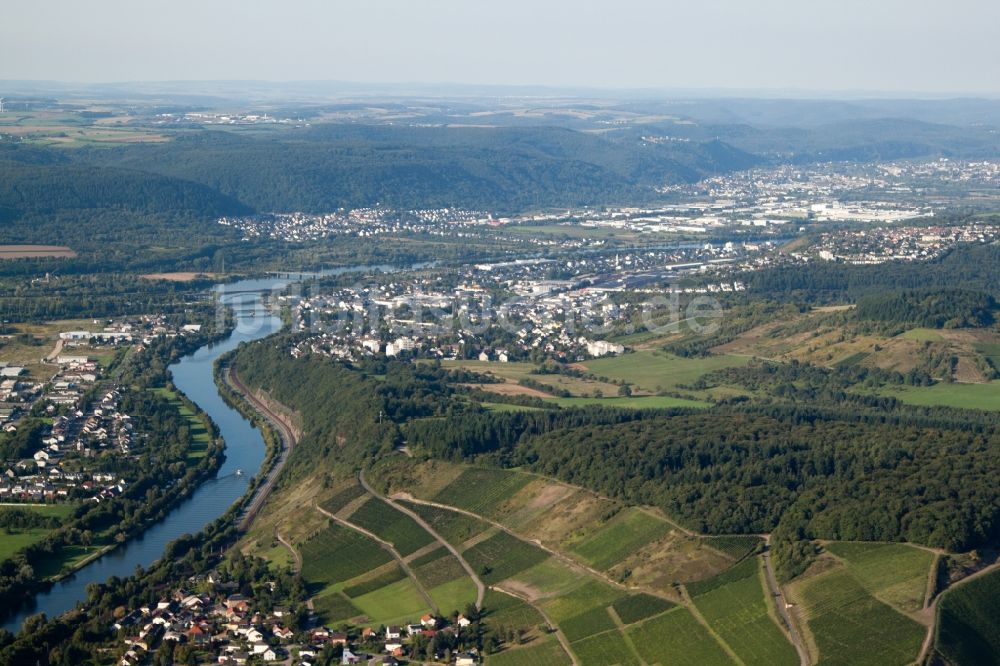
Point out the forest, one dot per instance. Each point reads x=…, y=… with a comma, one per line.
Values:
x=154, y=207
x=503, y=169
x=931, y=308
x=972, y=266
x=873, y=471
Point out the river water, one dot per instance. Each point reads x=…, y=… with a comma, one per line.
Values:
x=244, y=449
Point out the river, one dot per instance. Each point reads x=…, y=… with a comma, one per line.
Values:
x=192, y=375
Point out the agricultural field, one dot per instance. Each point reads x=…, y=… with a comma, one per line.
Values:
x=502, y=556
x=392, y=603
x=850, y=626
x=343, y=497
x=736, y=547
x=674, y=558
x=589, y=594
x=391, y=525
x=656, y=371
x=961, y=396
x=968, y=632
x=540, y=652
x=454, y=595
x=506, y=407
x=338, y=554
x=736, y=609
x=549, y=578
x=605, y=650
x=512, y=373
x=635, y=545
x=638, y=607
x=588, y=623
x=34, y=251
x=445, y=580
x=387, y=576
x=894, y=573
x=453, y=527
x=332, y=607
x=676, y=637
x=71, y=130
x=632, y=402
x=482, y=491
x=504, y=610
x=624, y=534
x=991, y=352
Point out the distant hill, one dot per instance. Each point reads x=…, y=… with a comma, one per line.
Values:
x=108, y=214
x=503, y=169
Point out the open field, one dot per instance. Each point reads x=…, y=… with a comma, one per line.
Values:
x=656, y=371
x=509, y=389
x=968, y=632
x=922, y=335
x=15, y=540
x=894, y=573
x=737, y=611
x=624, y=534
x=34, y=251
x=821, y=340
x=676, y=638
x=849, y=625
x=56, y=510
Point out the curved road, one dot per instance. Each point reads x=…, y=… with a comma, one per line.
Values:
x=480, y=588
x=285, y=434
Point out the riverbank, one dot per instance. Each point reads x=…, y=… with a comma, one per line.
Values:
x=194, y=504
x=280, y=435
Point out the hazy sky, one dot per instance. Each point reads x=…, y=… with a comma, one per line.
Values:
x=936, y=46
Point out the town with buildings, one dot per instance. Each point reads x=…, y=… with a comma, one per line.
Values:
x=78, y=407
x=210, y=618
